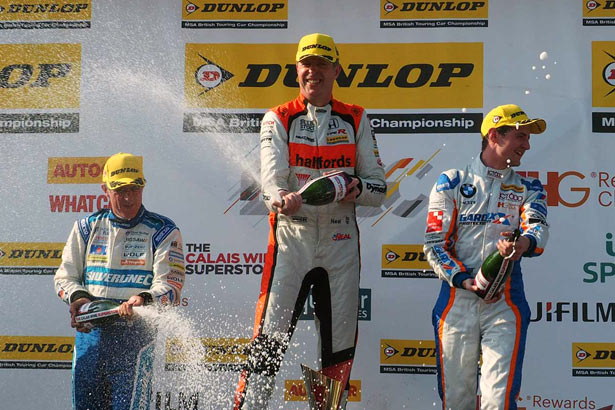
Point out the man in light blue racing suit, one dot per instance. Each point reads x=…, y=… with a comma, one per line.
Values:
x=129, y=255
x=471, y=213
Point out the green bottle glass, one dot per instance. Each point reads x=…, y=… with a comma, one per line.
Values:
x=98, y=312
x=325, y=189
x=494, y=272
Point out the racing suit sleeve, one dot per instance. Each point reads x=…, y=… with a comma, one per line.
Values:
x=533, y=218
x=169, y=271
x=368, y=167
x=68, y=280
x=441, y=232
x=274, y=158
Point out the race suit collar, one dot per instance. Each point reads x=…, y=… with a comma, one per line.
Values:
x=481, y=169
x=118, y=222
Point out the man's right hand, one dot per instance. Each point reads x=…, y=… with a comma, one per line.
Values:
x=74, y=309
x=290, y=203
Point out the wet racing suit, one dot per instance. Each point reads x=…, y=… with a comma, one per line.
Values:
x=468, y=209
x=109, y=258
x=318, y=247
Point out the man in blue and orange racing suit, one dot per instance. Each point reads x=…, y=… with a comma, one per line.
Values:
x=129, y=255
x=471, y=213
x=311, y=247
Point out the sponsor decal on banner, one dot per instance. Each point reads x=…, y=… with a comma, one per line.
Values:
x=201, y=259
x=407, y=356
x=41, y=14
x=365, y=306
x=30, y=258
x=570, y=188
x=75, y=170
x=374, y=75
x=221, y=353
x=540, y=401
x=435, y=14
x=235, y=14
x=77, y=203
x=405, y=261
x=39, y=76
x=598, y=12
x=601, y=272
x=36, y=352
x=294, y=390
x=167, y=400
x=593, y=359
x=603, y=85
x=574, y=312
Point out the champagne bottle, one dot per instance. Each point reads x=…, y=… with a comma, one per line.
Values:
x=494, y=272
x=98, y=312
x=325, y=189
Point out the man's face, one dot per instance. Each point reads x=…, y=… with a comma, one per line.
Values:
x=316, y=76
x=125, y=201
x=513, y=145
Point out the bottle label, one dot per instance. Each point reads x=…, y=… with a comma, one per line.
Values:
x=339, y=182
x=481, y=282
x=86, y=317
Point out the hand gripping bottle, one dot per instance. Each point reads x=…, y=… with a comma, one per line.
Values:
x=325, y=189
x=98, y=312
x=495, y=271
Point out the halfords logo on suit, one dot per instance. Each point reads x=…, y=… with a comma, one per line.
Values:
x=36, y=352
x=39, y=76
x=254, y=14
x=405, y=261
x=222, y=353
x=407, y=356
x=75, y=170
x=593, y=359
x=439, y=14
x=426, y=75
x=294, y=390
x=598, y=12
x=603, y=85
x=35, y=14
x=30, y=258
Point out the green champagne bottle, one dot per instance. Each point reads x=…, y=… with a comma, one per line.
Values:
x=325, y=189
x=494, y=272
x=98, y=312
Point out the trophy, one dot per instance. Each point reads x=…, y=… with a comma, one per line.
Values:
x=324, y=393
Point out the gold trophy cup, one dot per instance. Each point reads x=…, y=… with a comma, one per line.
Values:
x=324, y=393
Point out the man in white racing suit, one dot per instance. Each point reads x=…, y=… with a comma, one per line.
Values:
x=471, y=213
x=129, y=255
x=311, y=247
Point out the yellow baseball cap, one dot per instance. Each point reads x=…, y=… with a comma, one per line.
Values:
x=123, y=169
x=511, y=115
x=319, y=45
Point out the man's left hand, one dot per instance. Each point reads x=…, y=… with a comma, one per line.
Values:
x=125, y=309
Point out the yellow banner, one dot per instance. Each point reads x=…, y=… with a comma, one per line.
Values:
x=408, y=76
x=404, y=257
x=57, y=348
x=216, y=10
x=40, y=75
x=206, y=350
x=593, y=355
x=75, y=170
x=42, y=10
x=416, y=10
x=598, y=8
x=31, y=253
x=603, y=73
x=407, y=352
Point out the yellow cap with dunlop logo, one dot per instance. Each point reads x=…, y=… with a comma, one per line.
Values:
x=318, y=45
x=513, y=116
x=123, y=169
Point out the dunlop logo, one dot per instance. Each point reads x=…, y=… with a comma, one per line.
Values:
x=259, y=14
x=40, y=14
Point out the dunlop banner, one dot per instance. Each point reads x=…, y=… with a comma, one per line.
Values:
x=41, y=14
x=30, y=258
x=36, y=352
x=383, y=76
x=255, y=14
x=40, y=75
